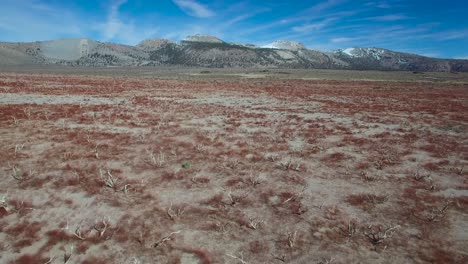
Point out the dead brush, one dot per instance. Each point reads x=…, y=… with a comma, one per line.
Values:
x=101, y=226
x=18, y=148
x=80, y=234
x=377, y=235
x=4, y=204
x=418, y=176
x=175, y=213
x=96, y=151
x=157, y=161
x=108, y=179
x=385, y=161
x=458, y=170
x=19, y=207
x=239, y=258
x=365, y=176
x=254, y=180
x=281, y=258
x=16, y=173
x=431, y=186
x=379, y=164
x=51, y=260
x=222, y=228
x=173, y=151
x=46, y=115
x=329, y=260
x=367, y=201
x=67, y=255
x=20, y=176
x=349, y=230
x=112, y=182
x=332, y=212
x=437, y=214
x=15, y=121
x=199, y=180
x=141, y=137
x=296, y=196
x=200, y=148
x=230, y=163
x=377, y=199
x=271, y=157
x=235, y=199
x=27, y=112
x=292, y=237
x=289, y=164
x=164, y=239
x=254, y=223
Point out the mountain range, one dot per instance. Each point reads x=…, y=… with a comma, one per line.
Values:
x=210, y=51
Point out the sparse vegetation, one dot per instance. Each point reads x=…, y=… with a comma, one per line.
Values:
x=231, y=170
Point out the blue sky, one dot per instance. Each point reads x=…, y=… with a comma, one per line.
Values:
x=427, y=27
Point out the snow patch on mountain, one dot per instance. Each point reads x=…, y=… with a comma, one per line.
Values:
x=374, y=53
x=349, y=52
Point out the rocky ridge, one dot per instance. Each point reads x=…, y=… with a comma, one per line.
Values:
x=210, y=51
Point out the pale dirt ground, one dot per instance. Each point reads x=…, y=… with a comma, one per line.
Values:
x=131, y=170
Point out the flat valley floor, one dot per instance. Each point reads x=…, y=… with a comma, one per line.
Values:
x=216, y=166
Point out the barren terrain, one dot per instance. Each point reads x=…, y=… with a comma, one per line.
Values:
x=243, y=168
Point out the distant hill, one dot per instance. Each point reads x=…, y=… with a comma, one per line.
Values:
x=209, y=51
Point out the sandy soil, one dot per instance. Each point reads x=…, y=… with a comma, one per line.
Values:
x=102, y=169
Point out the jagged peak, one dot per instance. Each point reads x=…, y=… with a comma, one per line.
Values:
x=203, y=38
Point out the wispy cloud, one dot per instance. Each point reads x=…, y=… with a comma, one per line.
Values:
x=379, y=4
x=341, y=40
x=291, y=20
x=430, y=54
x=193, y=8
x=388, y=18
x=243, y=17
x=306, y=28
x=22, y=20
x=116, y=29
x=113, y=25
x=325, y=5
x=451, y=35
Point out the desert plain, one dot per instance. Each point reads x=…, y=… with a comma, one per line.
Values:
x=232, y=166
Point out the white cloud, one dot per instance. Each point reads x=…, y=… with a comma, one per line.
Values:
x=194, y=8
x=341, y=40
